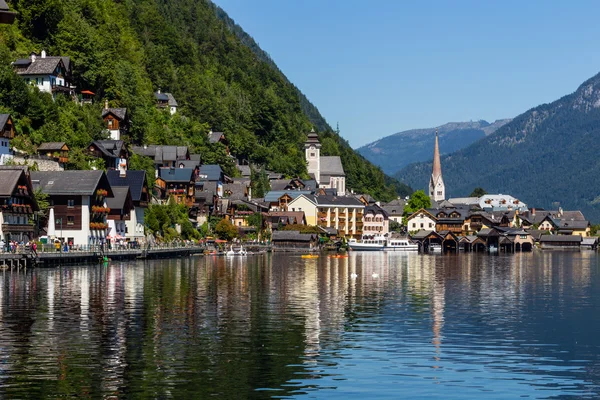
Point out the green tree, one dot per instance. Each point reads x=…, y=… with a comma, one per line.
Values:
x=255, y=220
x=417, y=201
x=225, y=230
x=478, y=192
x=259, y=182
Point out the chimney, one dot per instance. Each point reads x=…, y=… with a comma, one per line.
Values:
x=533, y=212
x=122, y=172
x=32, y=56
x=43, y=53
x=145, y=146
x=106, y=103
x=249, y=193
x=158, y=91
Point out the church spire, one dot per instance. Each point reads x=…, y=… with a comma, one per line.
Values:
x=437, y=190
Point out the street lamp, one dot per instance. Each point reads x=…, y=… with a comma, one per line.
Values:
x=6, y=17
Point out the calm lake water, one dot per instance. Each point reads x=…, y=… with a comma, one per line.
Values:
x=279, y=326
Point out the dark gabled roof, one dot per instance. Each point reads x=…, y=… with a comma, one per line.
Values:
x=8, y=180
x=195, y=157
x=161, y=96
x=176, y=174
x=187, y=164
x=3, y=5
x=110, y=148
x=3, y=120
x=171, y=100
x=80, y=183
x=375, y=209
x=279, y=184
x=575, y=224
x=120, y=113
x=274, y=195
x=338, y=200
x=210, y=172
x=135, y=180
x=121, y=199
x=214, y=137
x=147, y=151
x=41, y=66
x=422, y=234
x=292, y=236
x=50, y=146
x=560, y=238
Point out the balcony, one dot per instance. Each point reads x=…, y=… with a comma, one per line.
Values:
x=11, y=228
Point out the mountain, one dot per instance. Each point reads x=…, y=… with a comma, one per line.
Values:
x=394, y=152
x=545, y=156
x=125, y=50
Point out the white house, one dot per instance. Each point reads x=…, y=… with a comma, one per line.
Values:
x=421, y=219
x=50, y=74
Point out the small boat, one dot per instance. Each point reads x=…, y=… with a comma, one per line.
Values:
x=339, y=256
x=400, y=245
x=368, y=243
x=435, y=248
x=309, y=256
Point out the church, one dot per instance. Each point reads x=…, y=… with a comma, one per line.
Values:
x=326, y=170
x=437, y=190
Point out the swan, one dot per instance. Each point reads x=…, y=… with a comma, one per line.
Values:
x=230, y=252
x=242, y=252
x=375, y=275
x=353, y=275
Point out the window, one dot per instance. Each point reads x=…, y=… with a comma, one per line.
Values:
x=421, y=224
x=70, y=220
x=71, y=203
x=430, y=225
x=439, y=192
x=110, y=124
x=312, y=155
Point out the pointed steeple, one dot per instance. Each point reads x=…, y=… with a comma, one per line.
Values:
x=437, y=165
x=437, y=189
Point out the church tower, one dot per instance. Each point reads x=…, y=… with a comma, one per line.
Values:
x=312, y=151
x=437, y=190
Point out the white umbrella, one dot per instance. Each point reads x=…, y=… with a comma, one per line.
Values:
x=51, y=224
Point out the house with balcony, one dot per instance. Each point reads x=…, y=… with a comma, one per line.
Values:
x=179, y=183
x=49, y=74
x=56, y=151
x=166, y=101
x=343, y=213
x=120, y=208
x=452, y=220
x=114, y=153
x=375, y=221
x=140, y=196
x=7, y=133
x=115, y=120
x=78, y=210
x=18, y=205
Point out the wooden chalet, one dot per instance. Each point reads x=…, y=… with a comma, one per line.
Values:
x=290, y=240
x=180, y=183
x=451, y=220
x=7, y=133
x=57, y=151
x=18, y=204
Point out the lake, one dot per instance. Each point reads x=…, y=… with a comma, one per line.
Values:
x=374, y=325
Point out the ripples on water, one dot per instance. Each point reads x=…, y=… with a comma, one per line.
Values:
x=406, y=326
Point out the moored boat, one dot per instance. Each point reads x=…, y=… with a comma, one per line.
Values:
x=367, y=243
x=400, y=245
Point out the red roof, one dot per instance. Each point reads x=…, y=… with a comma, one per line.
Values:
x=87, y=92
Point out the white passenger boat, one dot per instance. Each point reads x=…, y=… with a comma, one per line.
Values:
x=368, y=243
x=400, y=245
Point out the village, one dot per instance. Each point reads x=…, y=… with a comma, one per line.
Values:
x=107, y=206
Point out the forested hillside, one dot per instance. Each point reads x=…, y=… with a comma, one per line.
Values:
x=396, y=151
x=124, y=51
x=548, y=154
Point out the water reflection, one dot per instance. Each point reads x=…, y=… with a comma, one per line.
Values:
x=393, y=325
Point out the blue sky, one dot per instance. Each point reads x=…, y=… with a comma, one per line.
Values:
x=381, y=67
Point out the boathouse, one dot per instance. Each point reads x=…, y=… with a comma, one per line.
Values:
x=293, y=240
x=560, y=242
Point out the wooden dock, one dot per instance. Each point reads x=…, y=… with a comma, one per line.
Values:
x=93, y=256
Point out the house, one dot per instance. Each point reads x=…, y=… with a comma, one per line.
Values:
x=113, y=152
x=301, y=202
x=375, y=220
x=283, y=240
x=116, y=121
x=451, y=219
x=279, y=200
x=7, y=132
x=6, y=17
x=218, y=137
x=395, y=210
x=57, y=151
x=560, y=242
x=180, y=183
x=574, y=227
x=140, y=195
x=166, y=101
x=419, y=220
x=77, y=200
x=49, y=74
x=326, y=170
x=344, y=213
x=163, y=156
x=213, y=173
x=18, y=205
x=120, y=208
x=276, y=219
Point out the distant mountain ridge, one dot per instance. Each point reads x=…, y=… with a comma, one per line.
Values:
x=394, y=152
x=545, y=156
